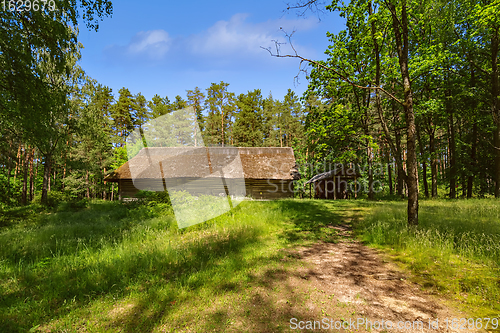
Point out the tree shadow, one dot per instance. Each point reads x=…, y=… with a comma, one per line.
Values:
x=314, y=220
x=161, y=278
x=185, y=267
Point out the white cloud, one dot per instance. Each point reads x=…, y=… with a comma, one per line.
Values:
x=152, y=45
x=225, y=42
x=153, y=42
x=239, y=37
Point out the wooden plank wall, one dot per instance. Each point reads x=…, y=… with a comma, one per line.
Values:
x=269, y=189
x=255, y=188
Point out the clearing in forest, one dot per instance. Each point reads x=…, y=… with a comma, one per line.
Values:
x=113, y=267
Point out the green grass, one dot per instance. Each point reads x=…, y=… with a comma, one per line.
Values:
x=455, y=250
x=115, y=267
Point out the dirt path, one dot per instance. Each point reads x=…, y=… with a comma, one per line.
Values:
x=353, y=283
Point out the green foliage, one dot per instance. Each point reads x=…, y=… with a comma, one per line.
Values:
x=247, y=128
x=196, y=99
x=159, y=106
x=120, y=157
x=54, y=198
x=152, y=197
x=122, y=114
x=219, y=103
x=25, y=48
x=332, y=129
x=38, y=71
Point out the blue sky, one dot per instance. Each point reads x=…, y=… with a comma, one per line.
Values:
x=168, y=47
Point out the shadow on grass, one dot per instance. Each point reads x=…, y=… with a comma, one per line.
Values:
x=187, y=268
x=159, y=278
x=312, y=220
x=47, y=234
x=254, y=305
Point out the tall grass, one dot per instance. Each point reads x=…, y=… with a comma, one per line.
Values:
x=455, y=248
x=60, y=270
x=107, y=266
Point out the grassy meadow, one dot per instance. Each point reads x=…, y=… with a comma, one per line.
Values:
x=127, y=267
x=113, y=267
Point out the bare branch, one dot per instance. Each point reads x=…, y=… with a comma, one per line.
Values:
x=315, y=6
x=318, y=64
x=495, y=147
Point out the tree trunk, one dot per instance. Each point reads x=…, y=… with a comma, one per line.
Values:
x=18, y=161
x=473, y=162
x=35, y=178
x=411, y=164
x=46, y=177
x=424, y=162
x=104, y=186
x=495, y=107
x=87, y=194
x=25, y=175
x=464, y=184
x=497, y=160
x=9, y=170
x=451, y=145
x=401, y=173
x=371, y=193
x=434, y=163
x=63, y=177
x=389, y=172
x=31, y=174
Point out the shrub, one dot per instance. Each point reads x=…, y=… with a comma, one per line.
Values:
x=54, y=198
x=153, y=197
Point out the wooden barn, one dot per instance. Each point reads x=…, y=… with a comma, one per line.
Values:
x=334, y=184
x=260, y=173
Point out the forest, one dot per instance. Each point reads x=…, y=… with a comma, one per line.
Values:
x=91, y=136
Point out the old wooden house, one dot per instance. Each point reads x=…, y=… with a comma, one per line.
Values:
x=335, y=184
x=260, y=173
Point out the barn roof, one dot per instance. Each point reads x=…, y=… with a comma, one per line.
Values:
x=342, y=173
x=229, y=162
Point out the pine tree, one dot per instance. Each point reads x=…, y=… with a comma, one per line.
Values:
x=159, y=106
x=122, y=114
x=220, y=106
x=247, y=128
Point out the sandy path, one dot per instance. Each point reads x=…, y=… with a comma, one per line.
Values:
x=355, y=276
